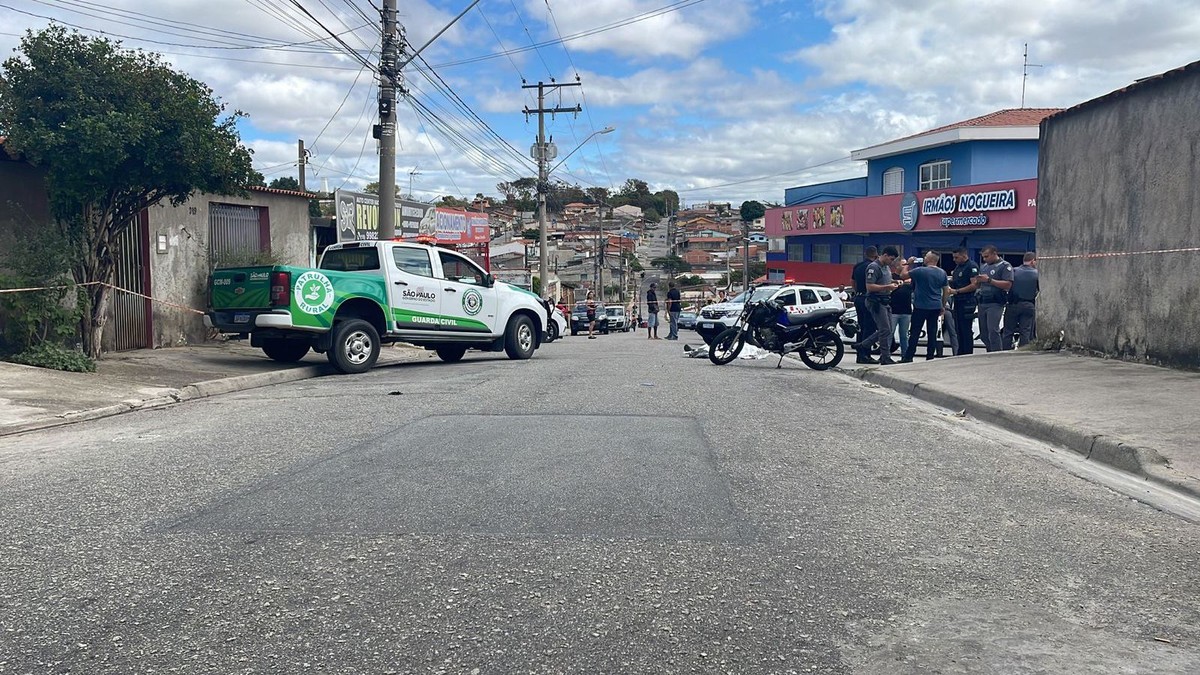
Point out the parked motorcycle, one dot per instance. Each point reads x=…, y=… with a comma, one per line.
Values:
x=768, y=325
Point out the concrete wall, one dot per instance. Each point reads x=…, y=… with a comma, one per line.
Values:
x=180, y=275
x=1120, y=174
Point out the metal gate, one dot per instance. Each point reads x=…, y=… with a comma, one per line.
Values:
x=129, y=316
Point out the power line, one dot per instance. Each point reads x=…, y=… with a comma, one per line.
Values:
x=760, y=178
x=549, y=73
x=349, y=50
x=174, y=27
x=673, y=7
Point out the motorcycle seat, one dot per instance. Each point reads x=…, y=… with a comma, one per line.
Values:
x=814, y=317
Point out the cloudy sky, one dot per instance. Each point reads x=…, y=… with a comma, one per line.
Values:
x=720, y=100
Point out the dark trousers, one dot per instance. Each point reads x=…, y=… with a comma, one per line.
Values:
x=1019, y=321
x=866, y=323
x=927, y=319
x=990, y=316
x=963, y=316
x=881, y=312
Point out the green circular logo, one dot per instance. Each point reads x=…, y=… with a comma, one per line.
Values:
x=313, y=292
x=472, y=302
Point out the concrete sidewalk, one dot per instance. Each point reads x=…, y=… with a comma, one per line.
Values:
x=1141, y=419
x=37, y=398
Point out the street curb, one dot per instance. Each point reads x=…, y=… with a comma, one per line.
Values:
x=191, y=392
x=1108, y=450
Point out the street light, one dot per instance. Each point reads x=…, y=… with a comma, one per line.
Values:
x=605, y=130
x=543, y=179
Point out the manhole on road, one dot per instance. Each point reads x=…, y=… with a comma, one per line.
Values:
x=522, y=475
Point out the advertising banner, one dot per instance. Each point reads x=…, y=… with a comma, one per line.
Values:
x=1008, y=205
x=358, y=217
x=452, y=226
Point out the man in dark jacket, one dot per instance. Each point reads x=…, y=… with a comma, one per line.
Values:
x=866, y=324
x=1021, y=312
x=962, y=290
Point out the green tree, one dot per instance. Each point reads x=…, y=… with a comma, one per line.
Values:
x=533, y=233
x=450, y=201
x=371, y=188
x=671, y=264
x=597, y=195
x=670, y=201
x=289, y=183
x=285, y=183
x=116, y=131
x=752, y=211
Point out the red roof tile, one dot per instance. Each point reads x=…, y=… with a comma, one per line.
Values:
x=1010, y=117
x=277, y=191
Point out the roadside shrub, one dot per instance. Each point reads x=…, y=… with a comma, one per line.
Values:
x=38, y=259
x=49, y=355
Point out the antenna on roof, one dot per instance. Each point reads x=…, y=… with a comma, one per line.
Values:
x=1025, y=73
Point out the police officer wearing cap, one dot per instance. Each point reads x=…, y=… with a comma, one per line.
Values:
x=866, y=323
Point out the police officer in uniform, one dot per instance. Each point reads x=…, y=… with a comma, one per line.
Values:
x=1019, y=318
x=866, y=323
x=994, y=280
x=880, y=286
x=962, y=290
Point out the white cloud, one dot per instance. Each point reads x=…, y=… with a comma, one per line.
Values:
x=678, y=34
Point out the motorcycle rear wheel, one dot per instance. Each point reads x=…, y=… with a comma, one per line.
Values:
x=824, y=351
x=726, y=346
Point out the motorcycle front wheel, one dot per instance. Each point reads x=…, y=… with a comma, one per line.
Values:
x=726, y=346
x=823, y=351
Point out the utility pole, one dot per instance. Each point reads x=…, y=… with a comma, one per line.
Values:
x=388, y=75
x=1025, y=73
x=746, y=253
x=303, y=156
x=541, y=154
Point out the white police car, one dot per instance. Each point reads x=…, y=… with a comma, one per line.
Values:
x=805, y=297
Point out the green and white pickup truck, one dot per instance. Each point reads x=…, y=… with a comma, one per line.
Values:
x=368, y=293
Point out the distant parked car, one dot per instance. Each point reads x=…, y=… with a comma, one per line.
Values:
x=687, y=320
x=617, y=320
x=579, y=320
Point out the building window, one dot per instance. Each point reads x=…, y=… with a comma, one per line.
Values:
x=852, y=253
x=795, y=251
x=822, y=253
x=893, y=181
x=935, y=175
x=775, y=276
x=777, y=245
x=237, y=235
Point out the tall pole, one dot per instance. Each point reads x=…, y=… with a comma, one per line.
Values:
x=388, y=74
x=746, y=253
x=543, y=247
x=302, y=157
x=541, y=155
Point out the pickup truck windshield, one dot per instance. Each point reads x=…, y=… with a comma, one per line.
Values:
x=350, y=259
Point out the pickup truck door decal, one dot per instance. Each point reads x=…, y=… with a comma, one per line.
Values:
x=465, y=298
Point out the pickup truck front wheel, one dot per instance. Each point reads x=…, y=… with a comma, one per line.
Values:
x=519, y=341
x=283, y=350
x=355, y=346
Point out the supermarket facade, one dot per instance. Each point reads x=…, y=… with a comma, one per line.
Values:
x=968, y=184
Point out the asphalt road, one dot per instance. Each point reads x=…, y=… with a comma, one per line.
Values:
x=608, y=506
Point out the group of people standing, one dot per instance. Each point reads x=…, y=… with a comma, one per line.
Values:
x=914, y=293
x=674, y=307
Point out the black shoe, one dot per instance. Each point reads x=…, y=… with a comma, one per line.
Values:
x=867, y=361
x=906, y=360
x=888, y=362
